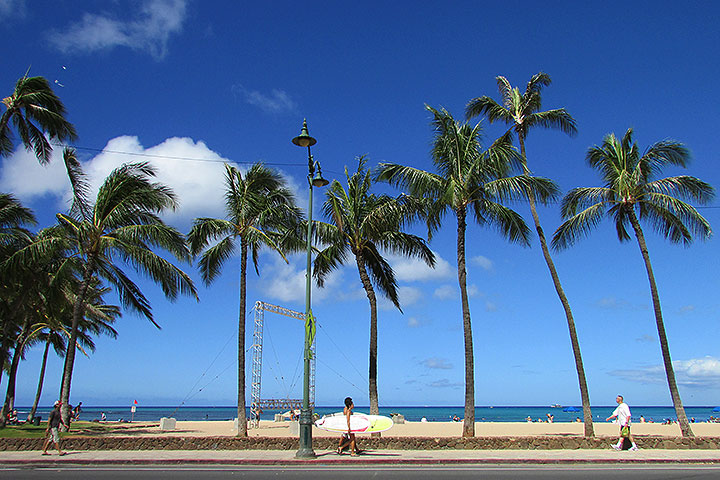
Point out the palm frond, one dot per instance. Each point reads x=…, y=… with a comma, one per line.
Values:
x=207, y=230
x=80, y=185
x=508, y=222
x=214, y=258
x=381, y=273
x=558, y=119
x=578, y=226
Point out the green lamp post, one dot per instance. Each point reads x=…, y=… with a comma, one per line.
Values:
x=315, y=179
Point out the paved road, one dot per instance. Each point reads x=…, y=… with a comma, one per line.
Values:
x=598, y=472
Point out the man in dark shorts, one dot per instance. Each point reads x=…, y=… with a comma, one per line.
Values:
x=53, y=433
x=348, y=439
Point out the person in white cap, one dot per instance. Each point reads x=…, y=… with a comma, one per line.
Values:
x=52, y=433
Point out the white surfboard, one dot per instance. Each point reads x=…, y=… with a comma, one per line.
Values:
x=359, y=423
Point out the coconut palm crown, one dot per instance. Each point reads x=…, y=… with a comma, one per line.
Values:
x=632, y=193
x=34, y=110
x=521, y=110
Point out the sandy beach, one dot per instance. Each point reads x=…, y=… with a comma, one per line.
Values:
x=270, y=428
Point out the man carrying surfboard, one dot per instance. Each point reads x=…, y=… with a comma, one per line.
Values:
x=349, y=437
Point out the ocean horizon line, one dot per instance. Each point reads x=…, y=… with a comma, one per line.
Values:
x=139, y=405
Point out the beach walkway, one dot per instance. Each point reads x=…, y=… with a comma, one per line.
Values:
x=378, y=457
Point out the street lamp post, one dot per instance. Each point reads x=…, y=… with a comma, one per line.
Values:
x=314, y=180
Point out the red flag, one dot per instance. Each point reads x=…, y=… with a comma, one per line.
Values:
x=135, y=402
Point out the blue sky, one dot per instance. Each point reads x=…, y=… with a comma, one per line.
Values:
x=188, y=85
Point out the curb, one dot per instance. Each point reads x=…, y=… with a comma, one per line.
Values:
x=298, y=462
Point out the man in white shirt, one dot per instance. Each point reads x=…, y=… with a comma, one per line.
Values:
x=622, y=414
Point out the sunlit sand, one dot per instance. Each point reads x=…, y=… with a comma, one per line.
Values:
x=270, y=428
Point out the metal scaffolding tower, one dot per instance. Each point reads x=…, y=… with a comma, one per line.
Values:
x=260, y=308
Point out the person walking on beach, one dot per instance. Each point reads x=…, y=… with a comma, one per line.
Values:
x=349, y=437
x=53, y=433
x=622, y=414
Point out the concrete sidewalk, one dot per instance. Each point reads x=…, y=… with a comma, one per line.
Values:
x=377, y=457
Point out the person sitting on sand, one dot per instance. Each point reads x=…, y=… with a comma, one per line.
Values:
x=550, y=418
x=348, y=439
x=528, y=419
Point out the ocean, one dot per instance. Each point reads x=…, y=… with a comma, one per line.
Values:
x=432, y=414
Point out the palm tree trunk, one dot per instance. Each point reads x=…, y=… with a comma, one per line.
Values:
x=469, y=420
x=78, y=314
x=579, y=368
x=31, y=415
x=664, y=347
x=372, y=375
x=241, y=415
x=9, y=403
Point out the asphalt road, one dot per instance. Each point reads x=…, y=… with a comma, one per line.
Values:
x=669, y=472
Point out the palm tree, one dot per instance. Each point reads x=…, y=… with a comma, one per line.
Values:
x=469, y=181
x=96, y=239
x=630, y=194
x=522, y=111
x=257, y=205
x=34, y=110
x=13, y=236
x=98, y=320
x=364, y=224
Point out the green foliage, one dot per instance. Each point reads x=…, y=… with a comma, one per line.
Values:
x=469, y=178
x=521, y=111
x=260, y=210
x=364, y=224
x=631, y=188
x=34, y=110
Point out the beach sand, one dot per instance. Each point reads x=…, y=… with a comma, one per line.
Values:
x=270, y=428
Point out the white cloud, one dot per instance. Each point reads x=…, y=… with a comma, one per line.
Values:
x=446, y=292
x=612, y=303
x=483, y=262
x=415, y=270
x=687, y=309
x=415, y=322
x=451, y=291
x=436, y=363
x=445, y=383
x=27, y=179
x=286, y=282
x=278, y=101
x=407, y=296
x=156, y=21
x=473, y=291
x=197, y=183
x=697, y=372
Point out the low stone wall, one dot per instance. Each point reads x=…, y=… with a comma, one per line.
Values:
x=383, y=443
